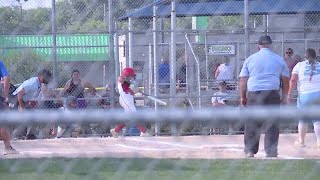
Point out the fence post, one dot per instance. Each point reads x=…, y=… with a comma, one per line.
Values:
x=305, y=44
x=130, y=42
x=150, y=70
x=155, y=62
x=111, y=52
x=54, y=43
x=238, y=60
x=282, y=44
x=246, y=28
x=155, y=53
x=173, y=62
x=116, y=53
x=206, y=54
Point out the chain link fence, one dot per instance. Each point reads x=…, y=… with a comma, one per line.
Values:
x=198, y=157
x=209, y=49
x=187, y=53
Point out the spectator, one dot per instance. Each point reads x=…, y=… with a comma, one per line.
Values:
x=164, y=75
x=76, y=87
x=4, y=100
x=27, y=93
x=220, y=99
x=65, y=130
x=105, y=101
x=181, y=70
x=105, y=104
x=290, y=60
x=307, y=75
x=224, y=71
x=46, y=102
x=46, y=94
x=259, y=85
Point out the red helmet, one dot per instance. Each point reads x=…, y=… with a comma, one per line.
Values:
x=126, y=72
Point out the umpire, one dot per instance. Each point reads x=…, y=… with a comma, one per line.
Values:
x=259, y=84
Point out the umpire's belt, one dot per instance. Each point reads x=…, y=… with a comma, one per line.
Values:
x=263, y=91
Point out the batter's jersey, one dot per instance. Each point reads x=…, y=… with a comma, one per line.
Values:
x=126, y=97
x=125, y=88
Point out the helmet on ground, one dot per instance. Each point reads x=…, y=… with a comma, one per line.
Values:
x=126, y=72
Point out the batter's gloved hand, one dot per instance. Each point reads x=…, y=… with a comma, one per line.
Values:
x=134, y=86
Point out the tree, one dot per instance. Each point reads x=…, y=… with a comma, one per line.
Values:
x=22, y=64
x=10, y=19
x=73, y=16
x=36, y=21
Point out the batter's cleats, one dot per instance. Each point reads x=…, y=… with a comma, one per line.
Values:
x=10, y=150
x=145, y=134
x=114, y=133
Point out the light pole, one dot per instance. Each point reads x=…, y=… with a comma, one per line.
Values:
x=20, y=5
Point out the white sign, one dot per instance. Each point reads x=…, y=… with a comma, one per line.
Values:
x=222, y=49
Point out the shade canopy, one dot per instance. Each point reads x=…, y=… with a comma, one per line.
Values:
x=226, y=7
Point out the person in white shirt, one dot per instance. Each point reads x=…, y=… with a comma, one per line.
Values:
x=220, y=99
x=27, y=94
x=306, y=78
x=224, y=71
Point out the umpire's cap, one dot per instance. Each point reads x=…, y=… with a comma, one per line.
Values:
x=263, y=40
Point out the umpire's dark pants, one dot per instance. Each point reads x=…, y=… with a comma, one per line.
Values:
x=253, y=126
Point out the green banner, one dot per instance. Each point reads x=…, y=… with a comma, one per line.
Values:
x=87, y=46
x=200, y=23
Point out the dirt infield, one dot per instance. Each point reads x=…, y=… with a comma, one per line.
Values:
x=184, y=147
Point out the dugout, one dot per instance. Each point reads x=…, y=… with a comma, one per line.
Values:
x=272, y=15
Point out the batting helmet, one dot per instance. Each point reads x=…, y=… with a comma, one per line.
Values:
x=126, y=72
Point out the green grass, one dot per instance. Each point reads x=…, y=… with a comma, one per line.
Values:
x=113, y=168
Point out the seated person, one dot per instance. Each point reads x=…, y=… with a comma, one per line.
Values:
x=65, y=130
x=105, y=101
x=220, y=99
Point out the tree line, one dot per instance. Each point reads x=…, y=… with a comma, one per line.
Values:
x=72, y=16
x=91, y=16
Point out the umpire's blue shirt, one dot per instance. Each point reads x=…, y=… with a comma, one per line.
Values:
x=264, y=69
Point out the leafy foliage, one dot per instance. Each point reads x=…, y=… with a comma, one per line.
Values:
x=91, y=16
x=23, y=64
